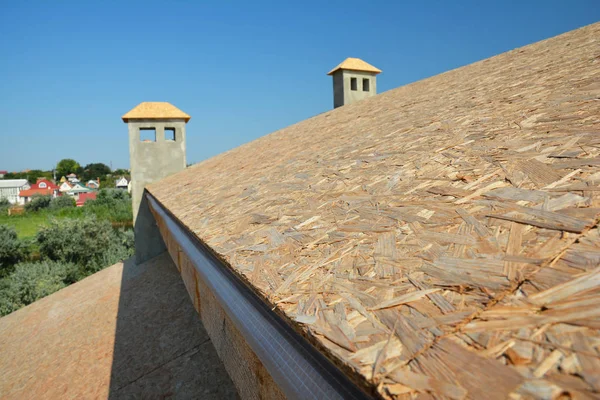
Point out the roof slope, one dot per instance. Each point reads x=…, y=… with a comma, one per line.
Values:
x=38, y=191
x=155, y=110
x=434, y=238
x=12, y=183
x=128, y=331
x=355, y=64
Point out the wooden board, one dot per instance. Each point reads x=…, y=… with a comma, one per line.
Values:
x=454, y=218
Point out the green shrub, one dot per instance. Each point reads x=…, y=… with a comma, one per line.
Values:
x=89, y=243
x=30, y=282
x=12, y=250
x=78, y=241
x=109, y=196
x=4, y=206
x=62, y=202
x=38, y=203
x=111, y=204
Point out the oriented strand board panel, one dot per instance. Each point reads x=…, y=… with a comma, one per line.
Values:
x=437, y=239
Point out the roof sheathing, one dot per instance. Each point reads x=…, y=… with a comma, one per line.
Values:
x=355, y=64
x=155, y=110
x=442, y=229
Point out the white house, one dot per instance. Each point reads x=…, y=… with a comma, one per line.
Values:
x=93, y=184
x=122, y=183
x=65, y=187
x=72, y=178
x=10, y=189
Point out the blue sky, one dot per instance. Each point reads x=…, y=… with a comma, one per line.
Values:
x=69, y=70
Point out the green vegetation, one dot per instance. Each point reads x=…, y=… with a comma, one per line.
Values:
x=54, y=244
x=113, y=205
x=26, y=225
x=12, y=250
x=31, y=175
x=95, y=171
x=38, y=203
x=4, y=206
x=30, y=282
x=67, y=166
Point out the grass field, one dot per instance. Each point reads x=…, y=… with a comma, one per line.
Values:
x=27, y=224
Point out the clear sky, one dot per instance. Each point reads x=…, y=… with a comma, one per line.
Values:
x=69, y=70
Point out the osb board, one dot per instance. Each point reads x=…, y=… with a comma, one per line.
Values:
x=155, y=110
x=438, y=239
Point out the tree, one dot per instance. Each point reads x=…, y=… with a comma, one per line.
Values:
x=120, y=172
x=4, y=206
x=31, y=175
x=88, y=242
x=12, y=250
x=94, y=171
x=67, y=166
x=38, y=203
x=62, y=202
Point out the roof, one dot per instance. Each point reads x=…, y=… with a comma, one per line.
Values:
x=36, y=192
x=85, y=196
x=78, y=187
x=125, y=332
x=3, y=172
x=433, y=238
x=48, y=182
x=155, y=110
x=12, y=183
x=355, y=64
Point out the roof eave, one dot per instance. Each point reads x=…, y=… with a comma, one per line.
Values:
x=126, y=119
x=333, y=71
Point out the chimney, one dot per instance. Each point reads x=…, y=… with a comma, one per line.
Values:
x=156, y=150
x=353, y=80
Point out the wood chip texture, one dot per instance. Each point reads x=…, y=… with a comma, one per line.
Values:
x=439, y=239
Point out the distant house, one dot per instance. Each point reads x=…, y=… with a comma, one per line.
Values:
x=77, y=189
x=2, y=173
x=84, y=197
x=65, y=187
x=43, y=187
x=11, y=188
x=122, y=183
x=43, y=183
x=63, y=179
x=93, y=184
x=72, y=178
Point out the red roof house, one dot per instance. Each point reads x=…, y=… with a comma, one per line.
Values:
x=43, y=187
x=85, y=196
x=43, y=183
x=26, y=194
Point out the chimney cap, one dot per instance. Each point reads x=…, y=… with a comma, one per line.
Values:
x=355, y=64
x=155, y=110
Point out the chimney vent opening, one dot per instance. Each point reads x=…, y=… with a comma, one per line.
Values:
x=366, y=85
x=148, y=134
x=170, y=134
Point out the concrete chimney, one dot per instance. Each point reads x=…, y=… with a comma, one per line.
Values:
x=353, y=80
x=156, y=150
